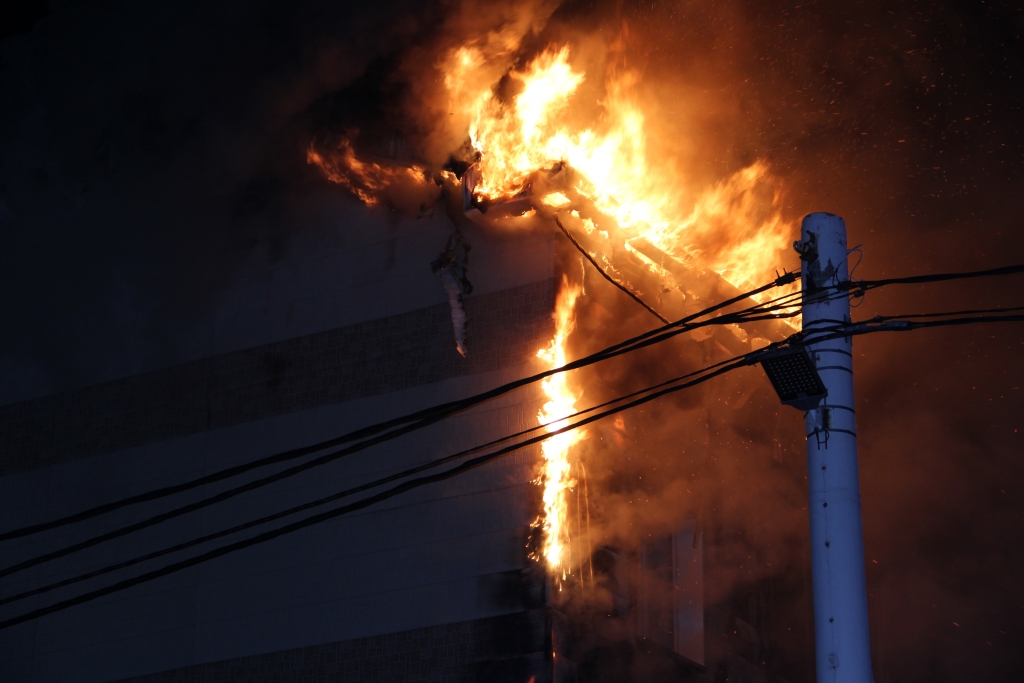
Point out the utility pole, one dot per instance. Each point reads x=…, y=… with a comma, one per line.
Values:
x=842, y=641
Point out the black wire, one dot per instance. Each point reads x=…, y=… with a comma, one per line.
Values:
x=347, y=492
x=186, y=509
x=412, y=422
x=351, y=507
x=255, y=484
x=430, y=415
x=362, y=487
x=210, y=500
x=884, y=324
x=651, y=338
x=934, y=277
x=608, y=277
x=165, y=516
x=291, y=471
x=836, y=331
x=646, y=339
x=999, y=309
x=963, y=321
x=869, y=327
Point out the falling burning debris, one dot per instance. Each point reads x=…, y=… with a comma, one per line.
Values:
x=451, y=264
x=556, y=475
x=538, y=148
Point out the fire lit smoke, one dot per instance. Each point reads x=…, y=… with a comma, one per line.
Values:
x=733, y=228
x=577, y=145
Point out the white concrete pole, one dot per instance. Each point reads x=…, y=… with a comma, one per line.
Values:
x=842, y=642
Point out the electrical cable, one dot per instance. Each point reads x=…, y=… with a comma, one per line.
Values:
x=881, y=323
x=449, y=408
x=629, y=345
x=851, y=285
x=347, y=492
x=238, y=490
x=351, y=507
x=871, y=326
x=264, y=481
x=631, y=294
x=824, y=334
x=975, y=311
x=780, y=302
x=413, y=421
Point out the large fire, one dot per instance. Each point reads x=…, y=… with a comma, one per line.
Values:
x=531, y=135
x=725, y=229
x=561, y=402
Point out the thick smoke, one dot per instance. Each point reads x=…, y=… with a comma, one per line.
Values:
x=902, y=119
x=171, y=148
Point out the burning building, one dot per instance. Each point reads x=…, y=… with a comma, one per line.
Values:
x=533, y=227
x=625, y=591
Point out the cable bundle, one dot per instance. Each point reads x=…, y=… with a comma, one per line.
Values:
x=780, y=307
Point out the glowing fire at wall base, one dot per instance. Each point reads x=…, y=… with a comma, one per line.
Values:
x=556, y=476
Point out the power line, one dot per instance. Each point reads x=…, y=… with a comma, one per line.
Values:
x=646, y=339
x=889, y=325
x=974, y=311
x=257, y=483
x=852, y=285
x=316, y=462
x=347, y=492
x=345, y=509
x=651, y=337
x=824, y=334
x=630, y=293
x=380, y=431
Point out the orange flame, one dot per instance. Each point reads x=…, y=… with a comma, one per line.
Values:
x=556, y=476
x=730, y=228
x=734, y=228
x=366, y=180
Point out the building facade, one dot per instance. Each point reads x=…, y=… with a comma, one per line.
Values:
x=432, y=585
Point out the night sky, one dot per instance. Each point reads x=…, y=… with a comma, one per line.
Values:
x=150, y=153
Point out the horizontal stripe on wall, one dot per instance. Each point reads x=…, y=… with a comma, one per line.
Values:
x=379, y=356
x=507, y=648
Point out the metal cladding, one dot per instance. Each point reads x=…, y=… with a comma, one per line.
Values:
x=842, y=643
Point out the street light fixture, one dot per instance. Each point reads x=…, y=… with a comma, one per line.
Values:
x=795, y=378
